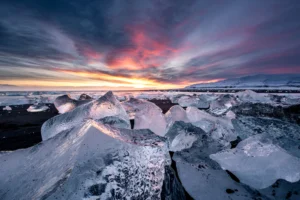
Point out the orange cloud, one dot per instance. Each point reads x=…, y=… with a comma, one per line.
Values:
x=146, y=50
x=134, y=82
x=91, y=54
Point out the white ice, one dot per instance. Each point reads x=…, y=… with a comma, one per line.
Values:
x=8, y=108
x=175, y=113
x=37, y=108
x=230, y=115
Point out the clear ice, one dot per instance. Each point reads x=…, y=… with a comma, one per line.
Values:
x=89, y=161
x=258, y=162
x=105, y=106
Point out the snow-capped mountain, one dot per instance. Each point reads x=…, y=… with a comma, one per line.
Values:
x=255, y=81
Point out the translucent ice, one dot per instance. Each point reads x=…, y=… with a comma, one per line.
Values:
x=284, y=134
x=196, y=101
x=65, y=103
x=90, y=161
x=146, y=115
x=222, y=104
x=176, y=97
x=253, y=97
x=83, y=97
x=105, y=106
x=37, y=108
x=182, y=135
x=204, y=181
x=175, y=113
x=220, y=129
x=259, y=163
x=134, y=105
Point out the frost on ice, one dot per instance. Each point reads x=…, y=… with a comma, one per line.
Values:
x=196, y=101
x=105, y=106
x=40, y=107
x=258, y=162
x=146, y=115
x=175, y=113
x=90, y=161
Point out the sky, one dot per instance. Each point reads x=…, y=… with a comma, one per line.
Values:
x=142, y=44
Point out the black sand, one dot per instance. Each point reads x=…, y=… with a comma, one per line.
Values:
x=21, y=129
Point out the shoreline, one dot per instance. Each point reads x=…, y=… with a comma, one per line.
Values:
x=22, y=129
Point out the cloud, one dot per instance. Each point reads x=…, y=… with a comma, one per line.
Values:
x=154, y=42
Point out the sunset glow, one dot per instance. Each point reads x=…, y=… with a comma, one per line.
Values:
x=145, y=45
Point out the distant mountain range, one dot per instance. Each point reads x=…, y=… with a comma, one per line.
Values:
x=255, y=81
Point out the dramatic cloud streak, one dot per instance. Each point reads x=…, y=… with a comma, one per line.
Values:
x=145, y=44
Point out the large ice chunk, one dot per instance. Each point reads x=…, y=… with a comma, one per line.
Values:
x=284, y=134
x=175, y=113
x=134, y=105
x=218, y=128
x=182, y=135
x=65, y=103
x=196, y=101
x=90, y=161
x=259, y=163
x=202, y=177
x=146, y=115
x=253, y=97
x=105, y=106
x=206, y=181
x=290, y=114
x=222, y=104
x=200, y=149
x=175, y=97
